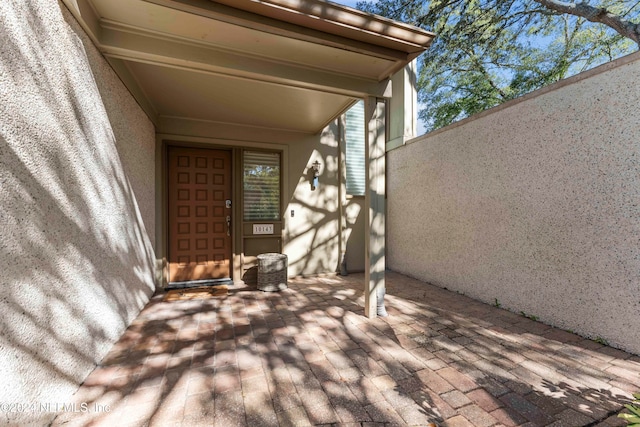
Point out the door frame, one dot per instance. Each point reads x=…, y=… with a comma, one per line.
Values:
x=161, y=196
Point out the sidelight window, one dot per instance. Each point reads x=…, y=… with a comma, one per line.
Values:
x=354, y=150
x=261, y=186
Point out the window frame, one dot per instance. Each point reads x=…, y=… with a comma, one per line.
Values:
x=245, y=204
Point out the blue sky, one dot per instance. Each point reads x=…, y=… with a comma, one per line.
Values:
x=351, y=3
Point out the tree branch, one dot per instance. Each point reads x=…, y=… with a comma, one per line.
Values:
x=479, y=67
x=596, y=14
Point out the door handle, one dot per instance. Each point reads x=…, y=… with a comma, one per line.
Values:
x=228, y=225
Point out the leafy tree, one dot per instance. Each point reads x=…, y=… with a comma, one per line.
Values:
x=490, y=51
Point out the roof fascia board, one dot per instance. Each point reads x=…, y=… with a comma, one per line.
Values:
x=141, y=46
x=392, y=50
x=315, y=13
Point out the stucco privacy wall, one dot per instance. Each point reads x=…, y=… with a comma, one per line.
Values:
x=77, y=197
x=533, y=205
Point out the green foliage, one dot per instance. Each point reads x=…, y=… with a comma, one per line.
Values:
x=530, y=316
x=487, y=52
x=632, y=418
x=601, y=340
x=497, y=303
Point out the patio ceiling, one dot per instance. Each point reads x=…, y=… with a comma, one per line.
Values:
x=278, y=64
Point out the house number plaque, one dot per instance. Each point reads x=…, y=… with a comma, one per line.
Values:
x=262, y=228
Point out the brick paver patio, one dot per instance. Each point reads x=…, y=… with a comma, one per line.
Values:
x=308, y=356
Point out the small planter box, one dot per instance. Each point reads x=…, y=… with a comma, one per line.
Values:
x=272, y=272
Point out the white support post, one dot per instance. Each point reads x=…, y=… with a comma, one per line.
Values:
x=374, y=203
x=403, y=107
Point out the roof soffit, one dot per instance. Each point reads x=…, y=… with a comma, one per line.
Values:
x=249, y=42
x=348, y=73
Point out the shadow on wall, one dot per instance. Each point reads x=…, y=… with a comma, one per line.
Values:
x=76, y=260
x=354, y=234
x=313, y=233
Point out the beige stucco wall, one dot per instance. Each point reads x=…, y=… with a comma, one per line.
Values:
x=534, y=204
x=77, y=197
x=312, y=234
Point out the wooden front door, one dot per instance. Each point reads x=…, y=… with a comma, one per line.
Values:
x=199, y=214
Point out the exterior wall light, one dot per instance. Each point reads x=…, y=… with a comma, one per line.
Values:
x=315, y=167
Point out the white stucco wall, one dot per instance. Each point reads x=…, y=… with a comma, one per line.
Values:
x=77, y=198
x=535, y=204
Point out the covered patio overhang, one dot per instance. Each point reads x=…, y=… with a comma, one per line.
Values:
x=270, y=65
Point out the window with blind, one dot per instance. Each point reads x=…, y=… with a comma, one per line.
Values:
x=354, y=150
x=261, y=186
